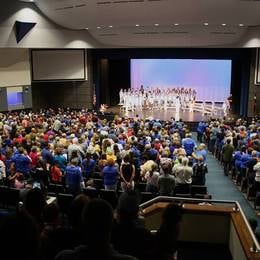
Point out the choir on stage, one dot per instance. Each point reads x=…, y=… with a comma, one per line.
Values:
x=163, y=98
x=149, y=98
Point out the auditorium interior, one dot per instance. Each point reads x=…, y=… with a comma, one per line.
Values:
x=130, y=129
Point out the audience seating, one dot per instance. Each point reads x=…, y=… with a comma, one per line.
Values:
x=98, y=184
x=141, y=186
x=9, y=197
x=182, y=189
x=202, y=196
x=198, y=189
x=183, y=195
x=257, y=200
x=64, y=201
x=146, y=196
x=56, y=188
x=110, y=196
x=91, y=193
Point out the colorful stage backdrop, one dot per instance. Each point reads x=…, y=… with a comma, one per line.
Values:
x=210, y=78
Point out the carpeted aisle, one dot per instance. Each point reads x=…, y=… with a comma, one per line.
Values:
x=221, y=187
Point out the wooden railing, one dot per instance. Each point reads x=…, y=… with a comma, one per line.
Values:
x=231, y=209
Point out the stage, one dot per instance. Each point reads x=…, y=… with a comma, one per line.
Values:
x=166, y=114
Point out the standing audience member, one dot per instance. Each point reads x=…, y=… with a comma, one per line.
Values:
x=73, y=177
x=127, y=174
x=129, y=235
x=152, y=178
x=97, y=222
x=167, y=235
x=227, y=156
x=166, y=182
x=19, y=237
x=110, y=174
x=183, y=173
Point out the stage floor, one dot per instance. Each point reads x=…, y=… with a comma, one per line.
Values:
x=160, y=114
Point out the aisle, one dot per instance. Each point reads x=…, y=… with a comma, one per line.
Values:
x=222, y=187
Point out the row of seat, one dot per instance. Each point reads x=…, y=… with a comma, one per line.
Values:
x=10, y=197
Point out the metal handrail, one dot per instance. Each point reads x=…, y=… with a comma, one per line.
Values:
x=255, y=247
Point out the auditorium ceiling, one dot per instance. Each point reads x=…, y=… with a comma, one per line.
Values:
x=157, y=23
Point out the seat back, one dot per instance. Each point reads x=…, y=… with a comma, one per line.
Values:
x=91, y=193
x=199, y=189
x=146, y=196
x=64, y=201
x=110, y=196
x=142, y=186
x=182, y=189
x=98, y=184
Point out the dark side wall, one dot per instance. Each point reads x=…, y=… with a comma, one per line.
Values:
x=254, y=90
x=73, y=94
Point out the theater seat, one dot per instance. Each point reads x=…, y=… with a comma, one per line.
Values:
x=9, y=197
x=110, y=196
x=142, y=186
x=91, y=193
x=198, y=189
x=146, y=196
x=98, y=184
x=64, y=201
x=182, y=189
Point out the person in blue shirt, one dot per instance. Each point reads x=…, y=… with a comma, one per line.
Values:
x=22, y=162
x=73, y=177
x=110, y=174
x=188, y=144
x=200, y=130
x=200, y=155
x=47, y=156
x=88, y=166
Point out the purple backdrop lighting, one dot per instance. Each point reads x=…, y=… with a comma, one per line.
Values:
x=210, y=78
x=15, y=98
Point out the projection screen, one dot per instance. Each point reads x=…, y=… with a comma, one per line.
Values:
x=58, y=65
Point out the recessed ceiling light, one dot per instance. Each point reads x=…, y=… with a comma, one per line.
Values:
x=98, y=27
x=86, y=28
x=223, y=24
x=156, y=24
x=241, y=24
x=110, y=26
x=206, y=24
x=137, y=25
x=176, y=24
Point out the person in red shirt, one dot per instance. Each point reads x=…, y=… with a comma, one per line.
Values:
x=34, y=156
x=56, y=174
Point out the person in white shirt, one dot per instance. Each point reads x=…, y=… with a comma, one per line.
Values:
x=151, y=178
x=2, y=170
x=257, y=170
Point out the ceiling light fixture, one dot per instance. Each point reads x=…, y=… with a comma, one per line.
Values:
x=176, y=24
x=86, y=28
x=206, y=24
x=110, y=26
x=137, y=25
x=241, y=24
x=156, y=24
x=223, y=24
x=98, y=27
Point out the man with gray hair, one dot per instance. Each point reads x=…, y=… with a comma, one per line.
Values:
x=74, y=146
